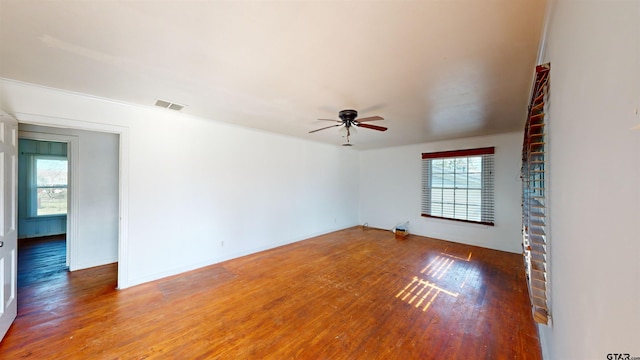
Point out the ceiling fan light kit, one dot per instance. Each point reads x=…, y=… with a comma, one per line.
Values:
x=348, y=120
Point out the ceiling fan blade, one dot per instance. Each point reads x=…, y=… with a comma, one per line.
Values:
x=370, y=118
x=373, y=127
x=331, y=120
x=312, y=131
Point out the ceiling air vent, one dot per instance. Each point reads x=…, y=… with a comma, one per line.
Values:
x=169, y=105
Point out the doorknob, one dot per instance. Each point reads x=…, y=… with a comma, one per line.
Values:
x=1, y=243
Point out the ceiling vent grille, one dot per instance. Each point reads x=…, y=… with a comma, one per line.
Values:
x=169, y=105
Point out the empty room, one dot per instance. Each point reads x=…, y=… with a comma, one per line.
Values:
x=322, y=179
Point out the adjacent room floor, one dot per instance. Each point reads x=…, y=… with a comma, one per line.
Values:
x=351, y=294
x=42, y=260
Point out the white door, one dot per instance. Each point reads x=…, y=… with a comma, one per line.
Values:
x=8, y=231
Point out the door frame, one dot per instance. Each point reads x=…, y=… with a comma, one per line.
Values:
x=72, y=188
x=123, y=183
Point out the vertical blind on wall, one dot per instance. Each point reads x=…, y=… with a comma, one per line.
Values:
x=458, y=185
x=534, y=197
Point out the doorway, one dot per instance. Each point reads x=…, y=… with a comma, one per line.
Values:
x=92, y=221
x=42, y=210
x=43, y=193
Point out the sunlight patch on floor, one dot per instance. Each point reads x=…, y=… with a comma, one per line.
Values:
x=421, y=292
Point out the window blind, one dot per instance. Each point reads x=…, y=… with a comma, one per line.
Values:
x=458, y=185
x=534, y=197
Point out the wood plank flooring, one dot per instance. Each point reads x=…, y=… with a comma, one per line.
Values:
x=41, y=259
x=352, y=294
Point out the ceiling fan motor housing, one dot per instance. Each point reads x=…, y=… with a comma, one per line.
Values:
x=348, y=115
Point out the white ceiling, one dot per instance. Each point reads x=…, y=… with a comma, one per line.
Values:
x=433, y=69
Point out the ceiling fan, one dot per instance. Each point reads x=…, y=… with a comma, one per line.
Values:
x=348, y=119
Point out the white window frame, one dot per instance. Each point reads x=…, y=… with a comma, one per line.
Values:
x=33, y=185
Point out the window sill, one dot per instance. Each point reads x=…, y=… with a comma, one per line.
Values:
x=459, y=220
x=43, y=217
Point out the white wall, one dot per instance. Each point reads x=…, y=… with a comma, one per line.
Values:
x=97, y=190
x=218, y=183
x=594, y=50
x=201, y=191
x=390, y=192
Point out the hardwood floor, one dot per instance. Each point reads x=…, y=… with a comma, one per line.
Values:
x=41, y=259
x=352, y=294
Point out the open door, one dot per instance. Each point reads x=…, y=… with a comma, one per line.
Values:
x=8, y=231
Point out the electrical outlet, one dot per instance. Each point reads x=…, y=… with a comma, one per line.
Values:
x=222, y=244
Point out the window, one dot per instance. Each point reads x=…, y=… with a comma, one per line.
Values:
x=534, y=200
x=50, y=186
x=458, y=185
